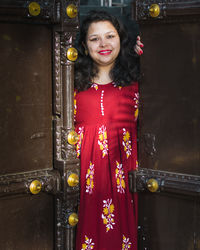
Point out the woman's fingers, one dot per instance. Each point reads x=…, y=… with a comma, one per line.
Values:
x=138, y=46
x=138, y=50
x=139, y=43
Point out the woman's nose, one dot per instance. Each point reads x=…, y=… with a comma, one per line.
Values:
x=102, y=42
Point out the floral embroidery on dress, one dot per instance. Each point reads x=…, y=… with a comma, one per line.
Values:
x=90, y=179
x=126, y=143
x=115, y=85
x=75, y=106
x=119, y=175
x=136, y=99
x=78, y=145
x=95, y=86
x=126, y=243
x=136, y=164
x=88, y=245
x=107, y=216
x=102, y=141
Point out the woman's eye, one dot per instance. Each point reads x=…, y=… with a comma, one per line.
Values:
x=94, y=39
x=110, y=36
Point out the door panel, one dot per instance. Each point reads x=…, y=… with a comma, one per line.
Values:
x=169, y=138
x=27, y=222
x=170, y=97
x=39, y=174
x=25, y=98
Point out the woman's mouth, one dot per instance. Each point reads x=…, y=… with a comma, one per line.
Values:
x=105, y=52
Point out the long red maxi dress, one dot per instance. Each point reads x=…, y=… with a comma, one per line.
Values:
x=105, y=119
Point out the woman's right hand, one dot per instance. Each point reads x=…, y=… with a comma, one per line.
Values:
x=138, y=46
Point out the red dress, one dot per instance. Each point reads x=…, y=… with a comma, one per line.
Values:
x=105, y=118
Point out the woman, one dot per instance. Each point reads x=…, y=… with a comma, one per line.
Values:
x=106, y=110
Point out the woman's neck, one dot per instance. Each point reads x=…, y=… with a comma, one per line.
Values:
x=103, y=76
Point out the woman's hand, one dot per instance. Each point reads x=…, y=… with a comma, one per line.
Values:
x=138, y=46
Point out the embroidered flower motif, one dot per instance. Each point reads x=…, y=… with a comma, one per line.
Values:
x=102, y=141
x=136, y=99
x=119, y=175
x=126, y=143
x=75, y=106
x=78, y=145
x=107, y=215
x=115, y=85
x=88, y=245
x=95, y=86
x=126, y=243
x=90, y=179
x=136, y=164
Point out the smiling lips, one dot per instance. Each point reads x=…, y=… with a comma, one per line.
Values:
x=105, y=52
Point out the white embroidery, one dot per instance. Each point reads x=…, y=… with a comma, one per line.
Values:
x=88, y=244
x=95, y=86
x=102, y=106
x=126, y=243
x=90, y=179
x=102, y=140
x=107, y=215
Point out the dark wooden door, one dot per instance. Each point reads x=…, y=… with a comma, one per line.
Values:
x=39, y=171
x=169, y=134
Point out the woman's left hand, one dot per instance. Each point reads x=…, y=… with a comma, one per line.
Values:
x=138, y=46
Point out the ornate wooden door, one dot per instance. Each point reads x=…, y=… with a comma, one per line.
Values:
x=168, y=180
x=39, y=170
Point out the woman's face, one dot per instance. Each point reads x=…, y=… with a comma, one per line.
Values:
x=103, y=43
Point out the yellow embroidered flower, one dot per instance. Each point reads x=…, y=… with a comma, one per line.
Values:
x=123, y=183
x=88, y=244
x=95, y=86
x=136, y=164
x=136, y=114
x=126, y=136
x=107, y=215
x=88, y=182
x=90, y=179
x=105, y=221
x=112, y=208
x=84, y=246
x=126, y=143
x=105, y=210
x=101, y=137
x=80, y=138
x=102, y=141
x=136, y=100
x=119, y=175
x=126, y=243
x=75, y=107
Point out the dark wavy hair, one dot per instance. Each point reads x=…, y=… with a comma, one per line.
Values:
x=126, y=67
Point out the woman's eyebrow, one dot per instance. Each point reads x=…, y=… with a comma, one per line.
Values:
x=112, y=31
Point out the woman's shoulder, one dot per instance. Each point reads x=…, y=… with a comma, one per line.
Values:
x=133, y=87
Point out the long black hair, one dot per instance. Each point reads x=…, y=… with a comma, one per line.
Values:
x=126, y=67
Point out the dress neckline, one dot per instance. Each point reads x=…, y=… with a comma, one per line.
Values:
x=103, y=84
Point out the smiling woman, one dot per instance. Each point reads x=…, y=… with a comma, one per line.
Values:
x=106, y=109
x=126, y=66
x=103, y=44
